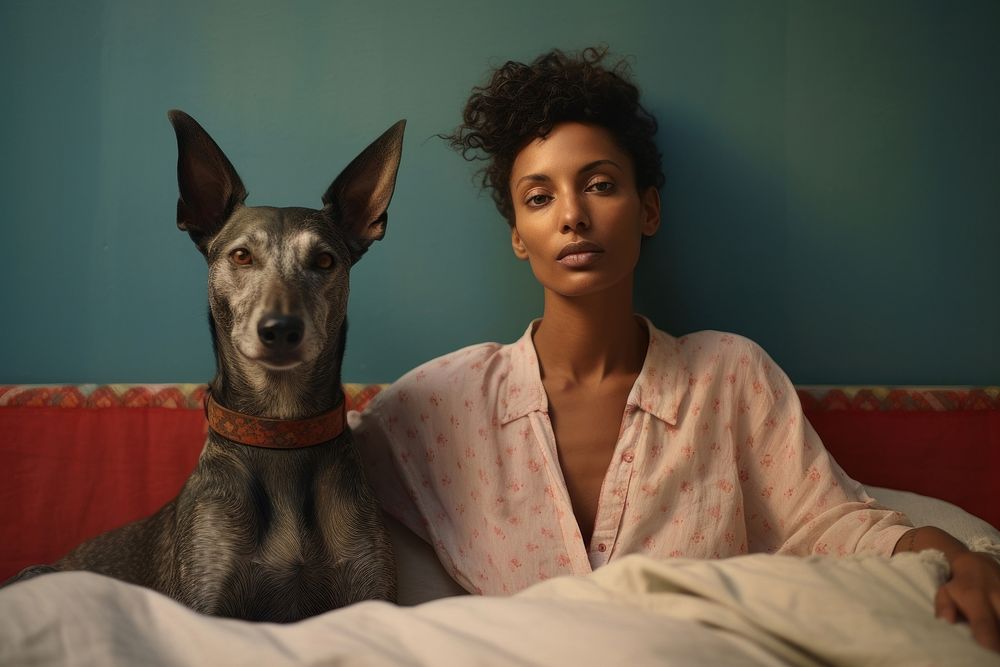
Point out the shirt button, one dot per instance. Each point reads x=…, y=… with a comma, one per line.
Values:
x=628, y=457
x=602, y=547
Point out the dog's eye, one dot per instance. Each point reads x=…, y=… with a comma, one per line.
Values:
x=324, y=260
x=241, y=257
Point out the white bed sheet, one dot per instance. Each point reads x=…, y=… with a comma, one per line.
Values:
x=755, y=610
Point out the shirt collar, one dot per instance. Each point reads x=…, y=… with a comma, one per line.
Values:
x=659, y=389
x=523, y=392
x=664, y=379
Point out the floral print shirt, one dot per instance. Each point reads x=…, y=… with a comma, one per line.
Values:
x=714, y=459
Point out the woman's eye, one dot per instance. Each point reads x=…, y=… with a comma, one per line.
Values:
x=324, y=260
x=602, y=186
x=241, y=257
x=538, y=200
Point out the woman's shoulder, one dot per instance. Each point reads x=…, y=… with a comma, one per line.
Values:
x=740, y=361
x=720, y=346
x=449, y=375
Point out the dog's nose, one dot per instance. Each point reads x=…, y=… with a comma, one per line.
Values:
x=281, y=333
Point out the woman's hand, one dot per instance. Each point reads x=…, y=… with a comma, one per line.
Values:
x=972, y=593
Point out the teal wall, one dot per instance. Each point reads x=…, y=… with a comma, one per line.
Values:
x=833, y=175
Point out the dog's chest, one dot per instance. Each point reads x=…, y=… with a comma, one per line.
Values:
x=272, y=567
x=266, y=535
x=269, y=520
x=287, y=542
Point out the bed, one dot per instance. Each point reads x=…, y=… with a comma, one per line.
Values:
x=81, y=459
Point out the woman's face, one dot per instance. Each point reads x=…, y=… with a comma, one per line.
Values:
x=578, y=217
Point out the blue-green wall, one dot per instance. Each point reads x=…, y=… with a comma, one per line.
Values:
x=833, y=175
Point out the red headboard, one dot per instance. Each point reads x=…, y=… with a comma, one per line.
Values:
x=79, y=460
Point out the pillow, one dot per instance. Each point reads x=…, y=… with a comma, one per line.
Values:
x=420, y=575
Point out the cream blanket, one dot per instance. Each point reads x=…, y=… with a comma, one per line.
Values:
x=754, y=610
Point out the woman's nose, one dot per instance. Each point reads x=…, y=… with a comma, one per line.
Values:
x=573, y=214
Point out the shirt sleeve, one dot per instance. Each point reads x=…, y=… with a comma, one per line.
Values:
x=797, y=499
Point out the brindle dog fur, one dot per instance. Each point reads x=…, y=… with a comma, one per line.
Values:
x=257, y=533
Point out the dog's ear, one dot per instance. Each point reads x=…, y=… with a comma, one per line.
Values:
x=210, y=188
x=359, y=197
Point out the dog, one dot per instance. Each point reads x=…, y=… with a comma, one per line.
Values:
x=277, y=522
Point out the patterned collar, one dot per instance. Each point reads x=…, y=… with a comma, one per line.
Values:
x=274, y=433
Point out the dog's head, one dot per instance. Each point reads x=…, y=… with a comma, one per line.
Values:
x=278, y=277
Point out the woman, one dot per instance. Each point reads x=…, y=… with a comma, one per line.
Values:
x=596, y=435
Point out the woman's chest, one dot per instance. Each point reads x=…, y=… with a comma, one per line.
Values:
x=586, y=427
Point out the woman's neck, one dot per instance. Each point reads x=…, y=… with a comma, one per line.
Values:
x=583, y=340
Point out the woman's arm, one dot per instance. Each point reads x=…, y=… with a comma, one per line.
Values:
x=972, y=592
x=798, y=500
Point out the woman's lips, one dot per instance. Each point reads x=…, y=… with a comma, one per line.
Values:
x=579, y=254
x=579, y=259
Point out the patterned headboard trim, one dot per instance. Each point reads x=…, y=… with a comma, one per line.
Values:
x=192, y=396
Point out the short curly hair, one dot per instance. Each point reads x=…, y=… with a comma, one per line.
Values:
x=523, y=102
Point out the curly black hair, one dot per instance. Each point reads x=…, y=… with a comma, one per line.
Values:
x=523, y=102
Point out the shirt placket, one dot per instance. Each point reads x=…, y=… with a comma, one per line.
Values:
x=611, y=505
x=573, y=546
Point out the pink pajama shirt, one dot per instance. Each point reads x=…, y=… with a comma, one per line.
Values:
x=714, y=459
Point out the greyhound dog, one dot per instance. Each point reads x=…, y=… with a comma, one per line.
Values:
x=277, y=522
